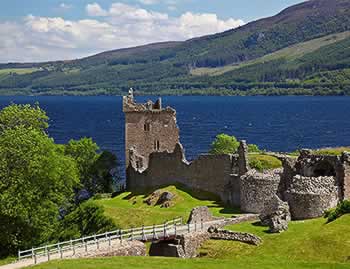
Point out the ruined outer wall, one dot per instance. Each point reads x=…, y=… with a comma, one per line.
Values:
x=346, y=178
x=310, y=197
x=212, y=173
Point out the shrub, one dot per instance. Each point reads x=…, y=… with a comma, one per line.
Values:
x=342, y=208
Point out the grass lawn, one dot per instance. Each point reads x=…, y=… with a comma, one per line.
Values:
x=307, y=244
x=128, y=209
x=308, y=241
x=173, y=263
x=7, y=260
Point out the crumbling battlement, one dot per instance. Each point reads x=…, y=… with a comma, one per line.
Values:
x=218, y=174
x=310, y=184
x=148, y=128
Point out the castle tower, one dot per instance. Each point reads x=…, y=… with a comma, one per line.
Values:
x=148, y=128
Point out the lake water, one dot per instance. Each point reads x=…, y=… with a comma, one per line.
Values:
x=273, y=123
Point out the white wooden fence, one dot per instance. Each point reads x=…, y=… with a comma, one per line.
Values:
x=143, y=233
x=89, y=244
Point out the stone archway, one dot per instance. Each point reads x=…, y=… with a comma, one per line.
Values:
x=324, y=169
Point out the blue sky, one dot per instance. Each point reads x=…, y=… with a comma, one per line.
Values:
x=247, y=10
x=40, y=30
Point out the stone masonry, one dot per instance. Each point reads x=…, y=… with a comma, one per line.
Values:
x=148, y=128
x=310, y=184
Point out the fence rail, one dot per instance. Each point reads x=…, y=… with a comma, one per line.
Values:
x=166, y=230
x=143, y=233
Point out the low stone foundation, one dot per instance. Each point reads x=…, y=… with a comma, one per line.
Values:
x=248, y=238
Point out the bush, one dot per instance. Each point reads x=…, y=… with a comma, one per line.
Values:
x=224, y=144
x=253, y=148
x=342, y=208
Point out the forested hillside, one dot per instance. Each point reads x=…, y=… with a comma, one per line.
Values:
x=252, y=59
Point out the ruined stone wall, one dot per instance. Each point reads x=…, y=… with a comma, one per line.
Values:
x=258, y=188
x=313, y=184
x=346, y=177
x=310, y=197
x=212, y=173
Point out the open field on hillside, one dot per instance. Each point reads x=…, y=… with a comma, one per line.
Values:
x=289, y=53
x=128, y=209
x=19, y=71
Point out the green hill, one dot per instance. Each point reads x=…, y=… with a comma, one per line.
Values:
x=287, y=51
x=129, y=209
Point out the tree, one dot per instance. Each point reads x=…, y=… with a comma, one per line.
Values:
x=84, y=152
x=87, y=219
x=94, y=167
x=36, y=179
x=104, y=172
x=224, y=144
x=23, y=115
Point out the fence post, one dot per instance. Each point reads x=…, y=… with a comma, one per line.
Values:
x=164, y=230
x=132, y=233
x=19, y=255
x=121, y=237
x=48, y=255
x=33, y=256
x=73, y=246
x=85, y=245
x=144, y=237
x=155, y=236
x=188, y=227
x=46, y=250
x=175, y=228
x=109, y=241
x=60, y=250
x=96, y=242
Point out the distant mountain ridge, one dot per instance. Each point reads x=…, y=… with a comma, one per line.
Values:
x=168, y=67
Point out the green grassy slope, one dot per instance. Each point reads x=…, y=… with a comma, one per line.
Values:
x=307, y=244
x=290, y=53
x=129, y=209
x=309, y=240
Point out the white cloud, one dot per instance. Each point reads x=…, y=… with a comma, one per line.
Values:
x=54, y=38
x=95, y=10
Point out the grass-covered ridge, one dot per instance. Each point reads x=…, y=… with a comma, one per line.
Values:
x=261, y=162
x=129, y=209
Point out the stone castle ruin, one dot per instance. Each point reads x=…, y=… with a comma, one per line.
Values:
x=310, y=184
